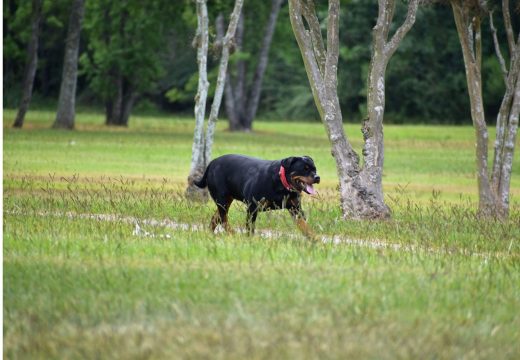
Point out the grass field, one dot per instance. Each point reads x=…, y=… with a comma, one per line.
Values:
x=103, y=258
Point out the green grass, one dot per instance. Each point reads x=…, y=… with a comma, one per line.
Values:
x=76, y=286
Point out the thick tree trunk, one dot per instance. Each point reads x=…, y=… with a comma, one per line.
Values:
x=356, y=200
x=361, y=192
x=116, y=102
x=67, y=98
x=128, y=103
x=31, y=65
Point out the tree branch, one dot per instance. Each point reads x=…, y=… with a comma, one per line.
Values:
x=308, y=54
x=507, y=24
x=309, y=13
x=331, y=64
x=497, y=47
x=393, y=44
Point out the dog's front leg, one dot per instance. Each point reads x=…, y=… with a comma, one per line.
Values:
x=299, y=218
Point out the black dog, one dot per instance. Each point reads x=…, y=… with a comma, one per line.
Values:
x=261, y=185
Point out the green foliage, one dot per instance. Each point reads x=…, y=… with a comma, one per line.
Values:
x=124, y=39
x=150, y=43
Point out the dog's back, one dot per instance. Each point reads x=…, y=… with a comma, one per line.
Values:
x=229, y=175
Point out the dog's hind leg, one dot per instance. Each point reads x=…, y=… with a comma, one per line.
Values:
x=220, y=216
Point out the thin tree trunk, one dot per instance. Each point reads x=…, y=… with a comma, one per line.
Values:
x=263, y=58
x=507, y=119
x=229, y=96
x=382, y=51
x=67, y=98
x=31, y=65
x=240, y=90
x=235, y=86
x=508, y=152
x=197, y=151
x=224, y=58
x=468, y=29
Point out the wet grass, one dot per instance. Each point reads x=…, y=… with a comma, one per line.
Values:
x=77, y=286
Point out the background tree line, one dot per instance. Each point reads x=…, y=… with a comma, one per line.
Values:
x=140, y=55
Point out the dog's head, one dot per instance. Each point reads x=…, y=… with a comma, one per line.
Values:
x=301, y=173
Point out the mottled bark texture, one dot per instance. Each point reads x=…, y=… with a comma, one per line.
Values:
x=67, y=98
x=203, y=143
x=31, y=64
x=241, y=98
x=494, y=184
x=361, y=193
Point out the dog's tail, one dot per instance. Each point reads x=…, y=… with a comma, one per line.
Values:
x=202, y=182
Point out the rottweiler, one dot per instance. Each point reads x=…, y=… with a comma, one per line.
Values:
x=260, y=184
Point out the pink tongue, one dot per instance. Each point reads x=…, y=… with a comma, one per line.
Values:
x=310, y=189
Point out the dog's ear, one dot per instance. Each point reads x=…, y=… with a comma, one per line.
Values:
x=288, y=162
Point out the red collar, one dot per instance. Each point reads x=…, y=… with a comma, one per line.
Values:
x=283, y=179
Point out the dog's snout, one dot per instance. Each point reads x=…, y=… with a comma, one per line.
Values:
x=316, y=179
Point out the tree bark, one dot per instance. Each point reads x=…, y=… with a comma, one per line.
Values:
x=67, y=98
x=31, y=65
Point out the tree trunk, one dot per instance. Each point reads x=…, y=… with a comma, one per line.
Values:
x=361, y=192
x=382, y=51
x=128, y=103
x=508, y=151
x=67, y=98
x=217, y=99
x=468, y=29
x=242, y=100
x=235, y=86
x=229, y=98
x=197, y=151
x=507, y=119
x=31, y=65
x=256, y=86
x=201, y=150
x=116, y=102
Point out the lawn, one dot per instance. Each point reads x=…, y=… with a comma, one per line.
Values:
x=104, y=258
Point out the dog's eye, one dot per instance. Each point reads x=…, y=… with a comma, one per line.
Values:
x=306, y=167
